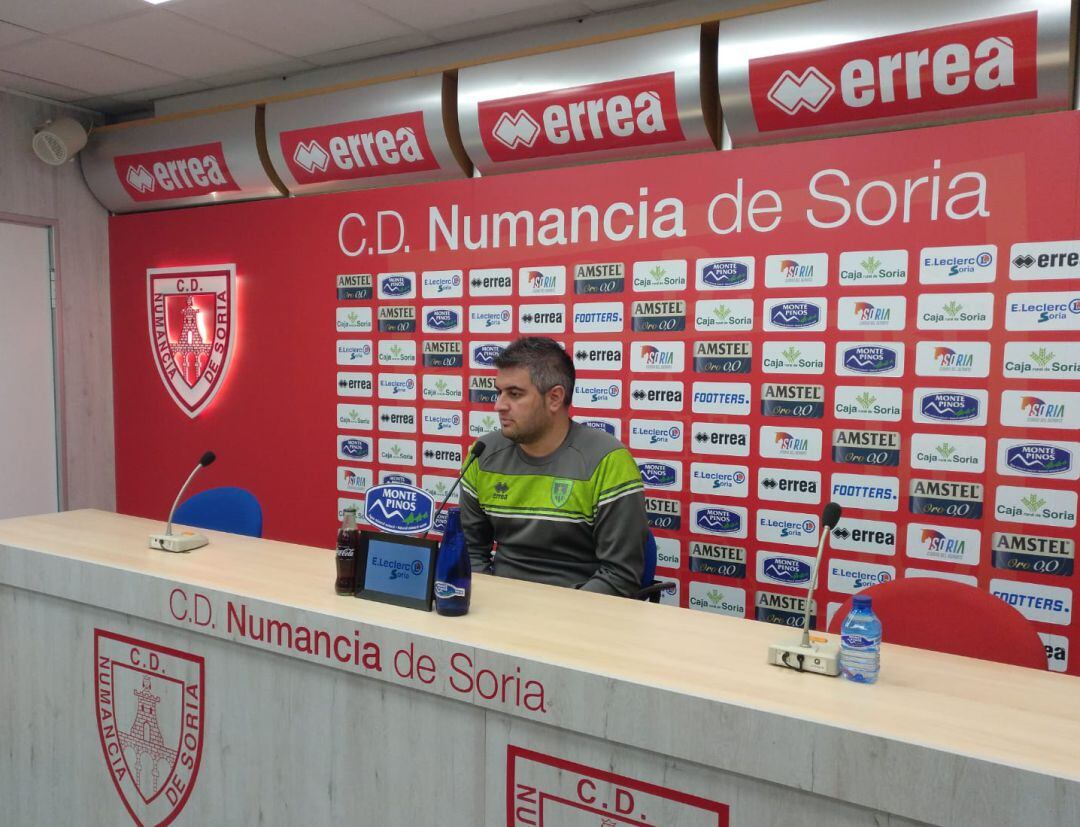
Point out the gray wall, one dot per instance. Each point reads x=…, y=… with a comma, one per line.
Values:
x=31, y=189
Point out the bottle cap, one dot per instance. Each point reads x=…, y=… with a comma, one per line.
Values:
x=861, y=601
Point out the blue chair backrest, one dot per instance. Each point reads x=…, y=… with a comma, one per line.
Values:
x=648, y=574
x=222, y=509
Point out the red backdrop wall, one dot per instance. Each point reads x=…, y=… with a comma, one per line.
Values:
x=273, y=421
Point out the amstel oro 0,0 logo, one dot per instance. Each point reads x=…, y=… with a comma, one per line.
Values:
x=150, y=709
x=192, y=316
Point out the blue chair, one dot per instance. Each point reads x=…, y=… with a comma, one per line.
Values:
x=222, y=509
x=651, y=588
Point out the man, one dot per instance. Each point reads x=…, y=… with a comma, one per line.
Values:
x=564, y=502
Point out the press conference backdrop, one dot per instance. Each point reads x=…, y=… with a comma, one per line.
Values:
x=891, y=322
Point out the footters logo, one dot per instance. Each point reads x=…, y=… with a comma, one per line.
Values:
x=150, y=710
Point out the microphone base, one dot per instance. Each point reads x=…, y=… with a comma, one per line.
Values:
x=177, y=542
x=819, y=658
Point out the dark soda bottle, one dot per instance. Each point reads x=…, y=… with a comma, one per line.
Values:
x=348, y=539
x=453, y=572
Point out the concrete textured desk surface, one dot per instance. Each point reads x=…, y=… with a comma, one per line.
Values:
x=232, y=686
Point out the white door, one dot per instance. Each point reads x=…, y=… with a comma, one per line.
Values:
x=28, y=468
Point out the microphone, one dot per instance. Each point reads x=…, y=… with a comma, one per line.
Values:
x=824, y=658
x=477, y=450
x=188, y=540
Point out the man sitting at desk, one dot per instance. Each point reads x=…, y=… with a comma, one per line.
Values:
x=564, y=502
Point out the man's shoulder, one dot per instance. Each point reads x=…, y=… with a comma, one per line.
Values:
x=593, y=443
x=494, y=442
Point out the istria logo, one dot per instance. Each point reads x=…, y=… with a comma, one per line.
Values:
x=1037, y=410
x=795, y=315
x=789, y=443
x=718, y=520
x=869, y=312
x=870, y=359
x=542, y=281
x=654, y=358
x=950, y=407
x=949, y=359
x=659, y=474
x=1039, y=458
x=935, y=544
x=725, y=273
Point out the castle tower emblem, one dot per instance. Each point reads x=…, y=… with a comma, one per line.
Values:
x=149, y=704
x=192, y=316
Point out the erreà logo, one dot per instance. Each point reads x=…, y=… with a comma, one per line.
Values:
x=137, y=684
x=184, y=172
x=979, y=63
x=192, y=316
x=367, y=148
x=633, y=112
x=399, y=509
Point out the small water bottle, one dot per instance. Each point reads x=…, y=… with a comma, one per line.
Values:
x=860, y=642
x=453, y=571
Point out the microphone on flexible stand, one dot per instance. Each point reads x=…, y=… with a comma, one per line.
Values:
x=188, y=540
x=823, y=658
x=477, y=450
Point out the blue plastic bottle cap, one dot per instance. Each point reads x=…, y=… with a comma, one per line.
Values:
x=861, y=601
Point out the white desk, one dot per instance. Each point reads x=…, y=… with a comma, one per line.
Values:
x=543, y=706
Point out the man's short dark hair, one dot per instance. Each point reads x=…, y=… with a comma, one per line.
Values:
x=548, y=364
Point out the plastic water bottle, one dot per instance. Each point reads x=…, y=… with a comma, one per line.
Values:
x=860, y=642
x=453, y=571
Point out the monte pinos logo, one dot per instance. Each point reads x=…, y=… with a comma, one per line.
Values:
x=150, y=709
x=978, y=63
x=192, y=317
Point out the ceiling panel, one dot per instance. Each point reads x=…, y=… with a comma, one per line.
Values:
x=33, y=86
x=53, y=16
x=70, y=64
x=181, y=87
x=174, y=44
x=294, y=27
x=389, y=46
x=10, y=35
x=271, y=72
x=433, y=17
x=523, y=18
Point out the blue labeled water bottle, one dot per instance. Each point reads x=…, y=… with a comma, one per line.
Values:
x=453, y=571
x=860, y=642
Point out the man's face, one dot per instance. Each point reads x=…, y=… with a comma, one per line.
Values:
x=524, y=414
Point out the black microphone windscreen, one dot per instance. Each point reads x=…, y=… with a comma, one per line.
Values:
x=478, y=449
x=207, y=458
x=830, y=516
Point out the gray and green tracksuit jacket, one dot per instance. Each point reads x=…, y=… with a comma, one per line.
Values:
x=573, y=518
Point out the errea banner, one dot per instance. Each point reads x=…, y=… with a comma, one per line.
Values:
x=980, y=63
x=633, y=112
x=358, y=149
x=182, y=172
